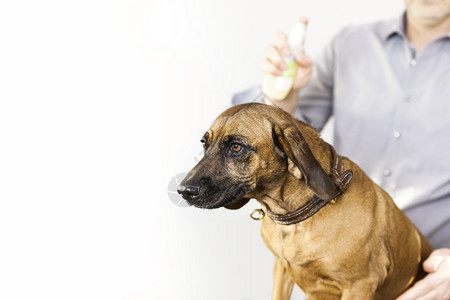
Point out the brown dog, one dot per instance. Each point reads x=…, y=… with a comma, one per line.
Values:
x=333, y=231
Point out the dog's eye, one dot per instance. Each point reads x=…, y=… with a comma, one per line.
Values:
x=204, y=144
x=236, y=147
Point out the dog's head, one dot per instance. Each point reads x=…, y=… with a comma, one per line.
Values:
x=248, y=150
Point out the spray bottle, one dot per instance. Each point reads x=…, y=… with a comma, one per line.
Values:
x=278, y=87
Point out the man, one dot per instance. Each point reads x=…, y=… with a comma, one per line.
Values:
x=387, y=85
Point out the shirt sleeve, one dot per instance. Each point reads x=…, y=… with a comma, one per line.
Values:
x=253, y=94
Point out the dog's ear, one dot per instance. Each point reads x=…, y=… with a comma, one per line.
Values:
x=238, y=204
x=291, y=141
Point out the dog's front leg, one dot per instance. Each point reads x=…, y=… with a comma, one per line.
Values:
x=282, y=282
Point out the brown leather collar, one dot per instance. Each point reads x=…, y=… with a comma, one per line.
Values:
x=340, y=178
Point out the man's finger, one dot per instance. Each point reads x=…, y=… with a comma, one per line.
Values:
x=273, y=55
x=431, y=264
x=281, y=42
x=303, y=60
x=268, y=67
x=418, y=290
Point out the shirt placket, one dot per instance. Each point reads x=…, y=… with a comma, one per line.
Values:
x=392, y=169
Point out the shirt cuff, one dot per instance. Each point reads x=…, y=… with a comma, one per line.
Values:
x=297, y=113
x=253, y=94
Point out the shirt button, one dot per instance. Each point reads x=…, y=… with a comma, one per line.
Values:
x=407, y=98
x=413, y=62
x=397, y=135
x=387, y=172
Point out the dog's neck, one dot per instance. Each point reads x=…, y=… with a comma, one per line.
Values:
x=291, y=194
x=291, y=191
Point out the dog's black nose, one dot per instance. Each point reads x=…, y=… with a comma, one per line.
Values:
x=188, y=191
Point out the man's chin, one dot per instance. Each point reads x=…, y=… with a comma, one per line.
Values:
x=430, y=12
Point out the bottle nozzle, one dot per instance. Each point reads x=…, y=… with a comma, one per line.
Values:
x=297, y=36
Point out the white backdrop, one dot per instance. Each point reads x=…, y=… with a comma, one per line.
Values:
x=102, y=104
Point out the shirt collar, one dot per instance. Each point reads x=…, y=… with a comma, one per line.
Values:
x=393, y=27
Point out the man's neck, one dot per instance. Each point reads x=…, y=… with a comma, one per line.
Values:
x=420, y=32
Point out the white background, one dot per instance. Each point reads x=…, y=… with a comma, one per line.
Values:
x=102, y=103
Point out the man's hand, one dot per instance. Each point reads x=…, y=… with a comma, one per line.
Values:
x=436, y=285
x=274, y=64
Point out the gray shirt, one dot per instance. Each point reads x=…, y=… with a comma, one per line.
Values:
x=391, y=106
